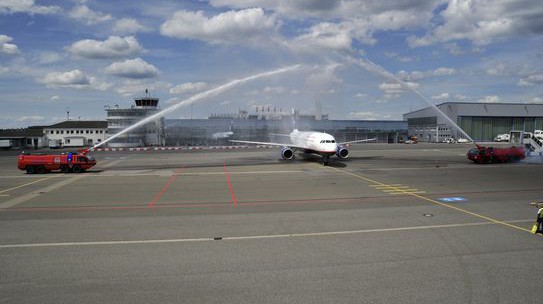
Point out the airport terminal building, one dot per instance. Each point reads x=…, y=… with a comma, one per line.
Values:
x=219, y=129
x=481, y=121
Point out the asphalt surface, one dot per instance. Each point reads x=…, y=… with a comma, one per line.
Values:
x=393, y=224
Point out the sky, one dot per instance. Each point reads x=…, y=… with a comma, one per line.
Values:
x=79, y=56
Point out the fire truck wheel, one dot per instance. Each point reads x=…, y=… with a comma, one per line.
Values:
x=64, y=169
x=40, y=169
x=30, y=170
x=77, y=169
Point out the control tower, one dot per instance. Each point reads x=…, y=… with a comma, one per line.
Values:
x=150, y=134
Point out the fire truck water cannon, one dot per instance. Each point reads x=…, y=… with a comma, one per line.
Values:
x=65, y=162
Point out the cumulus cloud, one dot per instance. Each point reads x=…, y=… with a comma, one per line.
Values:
x=297, y=8
x=483, y=21
x=326, y=35
x=244, y=26
x=31, y=119
x=330, y=9
x=85, y=14
x=73, y=79
x=399, y=57
x=496, y=69
x=133, y=68
x=531, y=80
x=419, y=75
x=26, y=6
x=189, y=87
x=344, y=21
x=129, y=26
x=113, y=47
x=7, y=48
x=136, y=87
x=489, y=99
x=442, y=96
x=324, y=79
x=395, y=90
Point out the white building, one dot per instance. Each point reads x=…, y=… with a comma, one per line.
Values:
x=73, y=133
x=150, y=134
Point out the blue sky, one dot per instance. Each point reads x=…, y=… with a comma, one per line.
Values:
x=83, y=55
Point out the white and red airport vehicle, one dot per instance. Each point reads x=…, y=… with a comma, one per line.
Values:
x=76, y=162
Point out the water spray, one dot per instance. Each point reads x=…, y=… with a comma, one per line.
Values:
x=372, y=67
x=194, y=98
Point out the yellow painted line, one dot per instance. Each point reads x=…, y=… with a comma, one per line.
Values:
x=408, y=192
x=24, y=185
x=397, y=190
x=388, y=185
x=391, y=187
x=436, y=202
x=4, y=194
x=404, y=191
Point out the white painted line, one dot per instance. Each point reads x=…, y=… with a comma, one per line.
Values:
x=254, y=237
x=245, y=172
x=26, y=197
x=158, y=173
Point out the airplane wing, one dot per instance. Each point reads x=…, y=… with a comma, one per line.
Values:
x=267, y=143
x=356, y=141
x=278, y=134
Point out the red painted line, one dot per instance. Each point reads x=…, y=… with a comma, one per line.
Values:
x=230, y=186
x=165, y=188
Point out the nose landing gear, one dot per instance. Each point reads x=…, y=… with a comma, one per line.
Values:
x=325, y=160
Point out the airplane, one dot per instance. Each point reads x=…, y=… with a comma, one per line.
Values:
x=310, y=142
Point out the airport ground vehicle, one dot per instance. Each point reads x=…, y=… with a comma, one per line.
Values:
x=55, y=144
x=502, y=137
x=489, y=155
x=5, y=143
x=43, y=163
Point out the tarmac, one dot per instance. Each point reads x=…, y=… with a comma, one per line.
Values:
x=392, y=224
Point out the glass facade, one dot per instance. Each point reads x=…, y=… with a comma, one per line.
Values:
x=212, y=131
x=486, y=128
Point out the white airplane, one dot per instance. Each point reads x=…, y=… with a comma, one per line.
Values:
x=310, y=142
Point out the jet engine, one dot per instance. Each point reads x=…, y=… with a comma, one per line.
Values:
x=287, y=153
x=342, y=152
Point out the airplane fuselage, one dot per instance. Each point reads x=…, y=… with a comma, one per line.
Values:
x=314, y=142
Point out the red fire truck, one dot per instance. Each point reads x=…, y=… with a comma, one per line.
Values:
x=65, y=162
x=489, y=155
